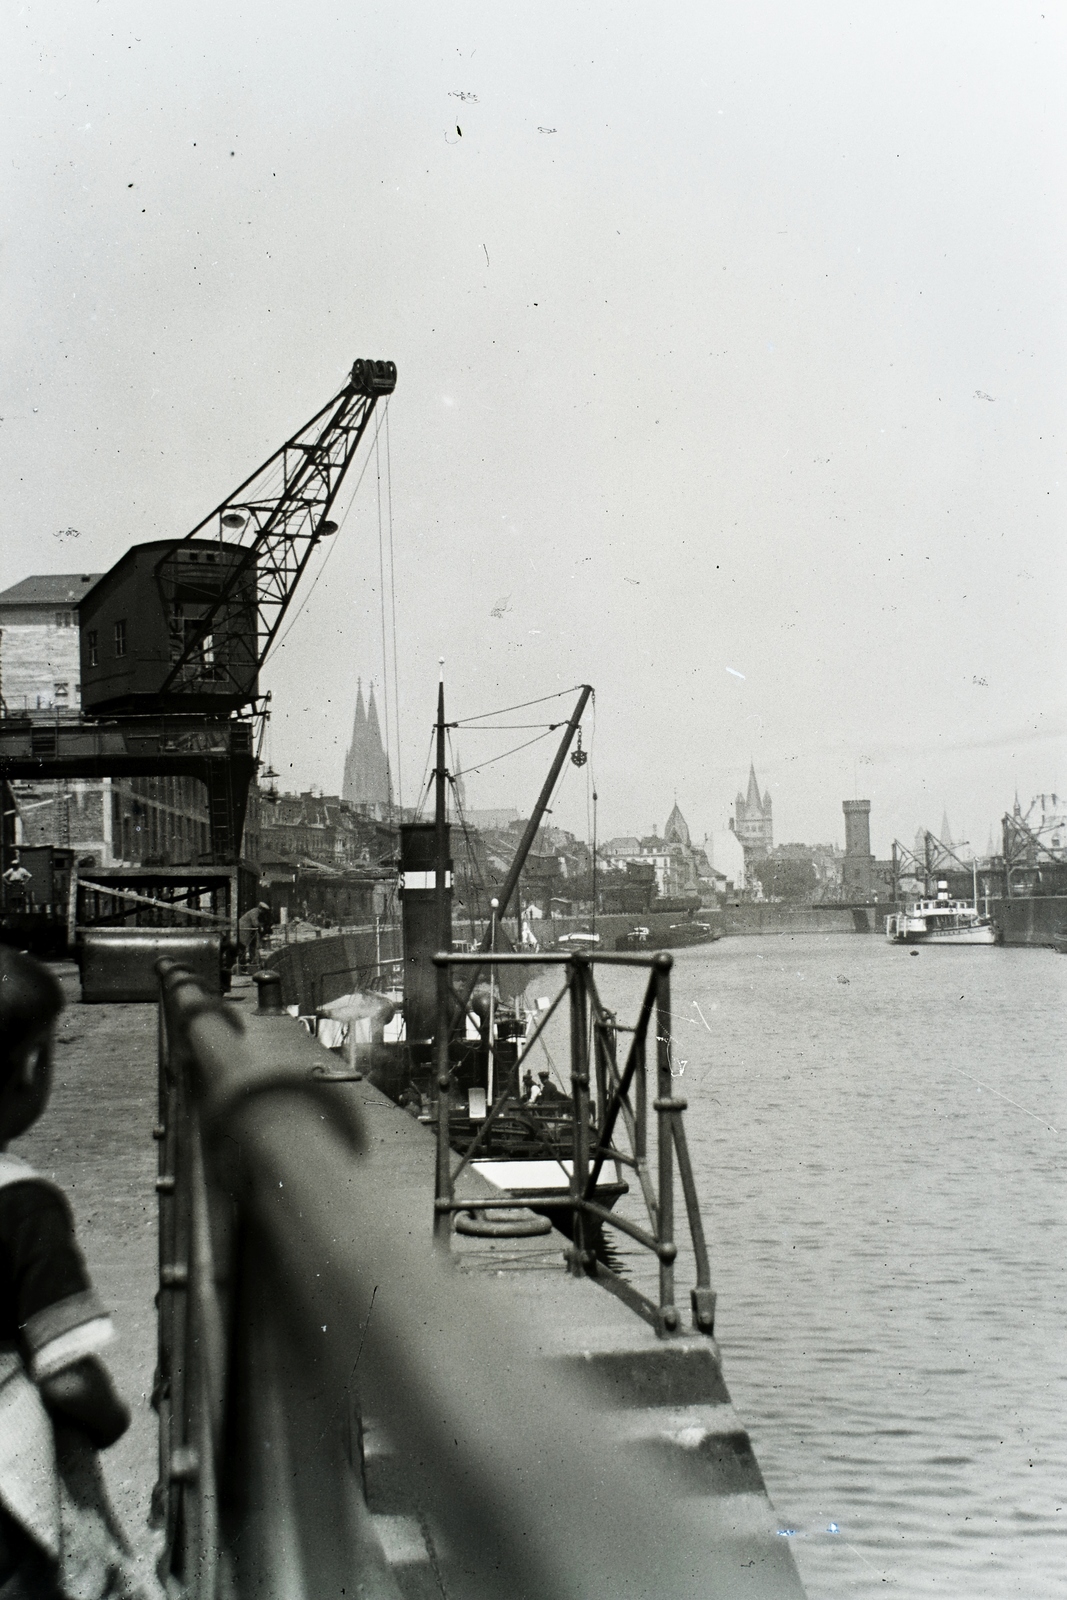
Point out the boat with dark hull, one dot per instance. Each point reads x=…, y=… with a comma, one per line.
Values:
x=679, y=936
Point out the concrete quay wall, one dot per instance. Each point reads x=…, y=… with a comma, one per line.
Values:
x=1022, y=922
x=314, y=971
x=1033, y=922
x=776, y=918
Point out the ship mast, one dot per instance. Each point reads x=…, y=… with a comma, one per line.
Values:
x=442, y=1220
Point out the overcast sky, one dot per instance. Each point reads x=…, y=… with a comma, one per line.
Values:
x=731, y=371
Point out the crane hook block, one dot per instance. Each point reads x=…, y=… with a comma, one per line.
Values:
x=374, y=377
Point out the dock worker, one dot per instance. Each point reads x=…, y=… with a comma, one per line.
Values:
x=250, y=931
x=17, y=881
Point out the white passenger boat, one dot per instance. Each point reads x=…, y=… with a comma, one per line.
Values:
x=940, y=921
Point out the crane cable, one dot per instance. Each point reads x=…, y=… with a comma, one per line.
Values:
x=503, y=710
x=381, y=598
x=392, y=598
x=344, y=518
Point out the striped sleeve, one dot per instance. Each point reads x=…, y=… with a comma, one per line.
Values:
x=60, y=1334
x=58, y=1316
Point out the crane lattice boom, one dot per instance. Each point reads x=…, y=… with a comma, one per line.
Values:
x=269, y=527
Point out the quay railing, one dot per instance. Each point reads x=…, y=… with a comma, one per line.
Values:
x=620, y=1104
x=301, y=1291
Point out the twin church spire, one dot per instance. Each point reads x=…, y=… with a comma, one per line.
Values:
x=368, y=782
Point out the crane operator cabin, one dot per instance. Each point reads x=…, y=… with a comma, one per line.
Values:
x=144, y=647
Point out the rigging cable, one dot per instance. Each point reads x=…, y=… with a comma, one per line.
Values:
x=333, y=546
x=592, y=786
x=427, y=778
x=392, y=599
x=381, y=596
x=503, y=710
x=508, y=727
x=473, y=879
x=505, y=753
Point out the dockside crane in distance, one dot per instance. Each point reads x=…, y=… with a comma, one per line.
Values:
x=209, y=606
x=173, y=638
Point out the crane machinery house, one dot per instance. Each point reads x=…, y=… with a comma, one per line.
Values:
x=172, y=626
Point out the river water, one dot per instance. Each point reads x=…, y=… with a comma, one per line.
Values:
x=879, y=1143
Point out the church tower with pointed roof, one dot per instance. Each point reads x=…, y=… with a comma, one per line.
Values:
x=754, y=819
x=676, y=830
x=367, y=781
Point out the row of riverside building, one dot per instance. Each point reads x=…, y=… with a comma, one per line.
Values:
x=108, y=821
x=333, y=856
x=327, y=856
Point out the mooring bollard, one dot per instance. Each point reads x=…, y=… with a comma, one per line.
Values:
x=269, y=985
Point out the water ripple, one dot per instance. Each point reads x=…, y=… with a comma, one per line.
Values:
x=887, y=1205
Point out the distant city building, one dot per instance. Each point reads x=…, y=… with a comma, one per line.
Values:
x=727, y=857
x=105, y=821
x=863, y=877
x=323, y=828
x=367, y=783
x=676, y=830
x=324, y=859
x=503, y=817
x=39, y=660
x=753, y=820
x=679, y=867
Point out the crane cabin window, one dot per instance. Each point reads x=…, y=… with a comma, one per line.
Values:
x=92, y=647
x=120, y=638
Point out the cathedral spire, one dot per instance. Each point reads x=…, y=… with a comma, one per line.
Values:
x=367, y=780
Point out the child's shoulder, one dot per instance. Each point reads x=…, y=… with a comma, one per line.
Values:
x=47, y=1302
x=24, y=1193
x=17, y=1173
x=14, y=1170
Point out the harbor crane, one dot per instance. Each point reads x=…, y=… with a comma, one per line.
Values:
x=173, y=638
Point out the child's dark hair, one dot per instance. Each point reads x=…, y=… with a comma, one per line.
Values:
x=30, y=1000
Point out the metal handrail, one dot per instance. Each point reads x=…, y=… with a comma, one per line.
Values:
x=591, y=1147
x=297, y=1289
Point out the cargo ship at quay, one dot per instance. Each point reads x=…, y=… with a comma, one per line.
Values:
x=376, y=1362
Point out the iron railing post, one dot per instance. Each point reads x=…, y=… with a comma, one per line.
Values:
x=164, y=1133
x=664, y=1108
x=442, y=1222
x=623, y=1094
x=578, y=973
x=640, y=1057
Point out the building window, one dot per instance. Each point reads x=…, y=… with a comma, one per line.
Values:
x=91, y=642
x=62, y=691
x=63, y=619
x=120, y=638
